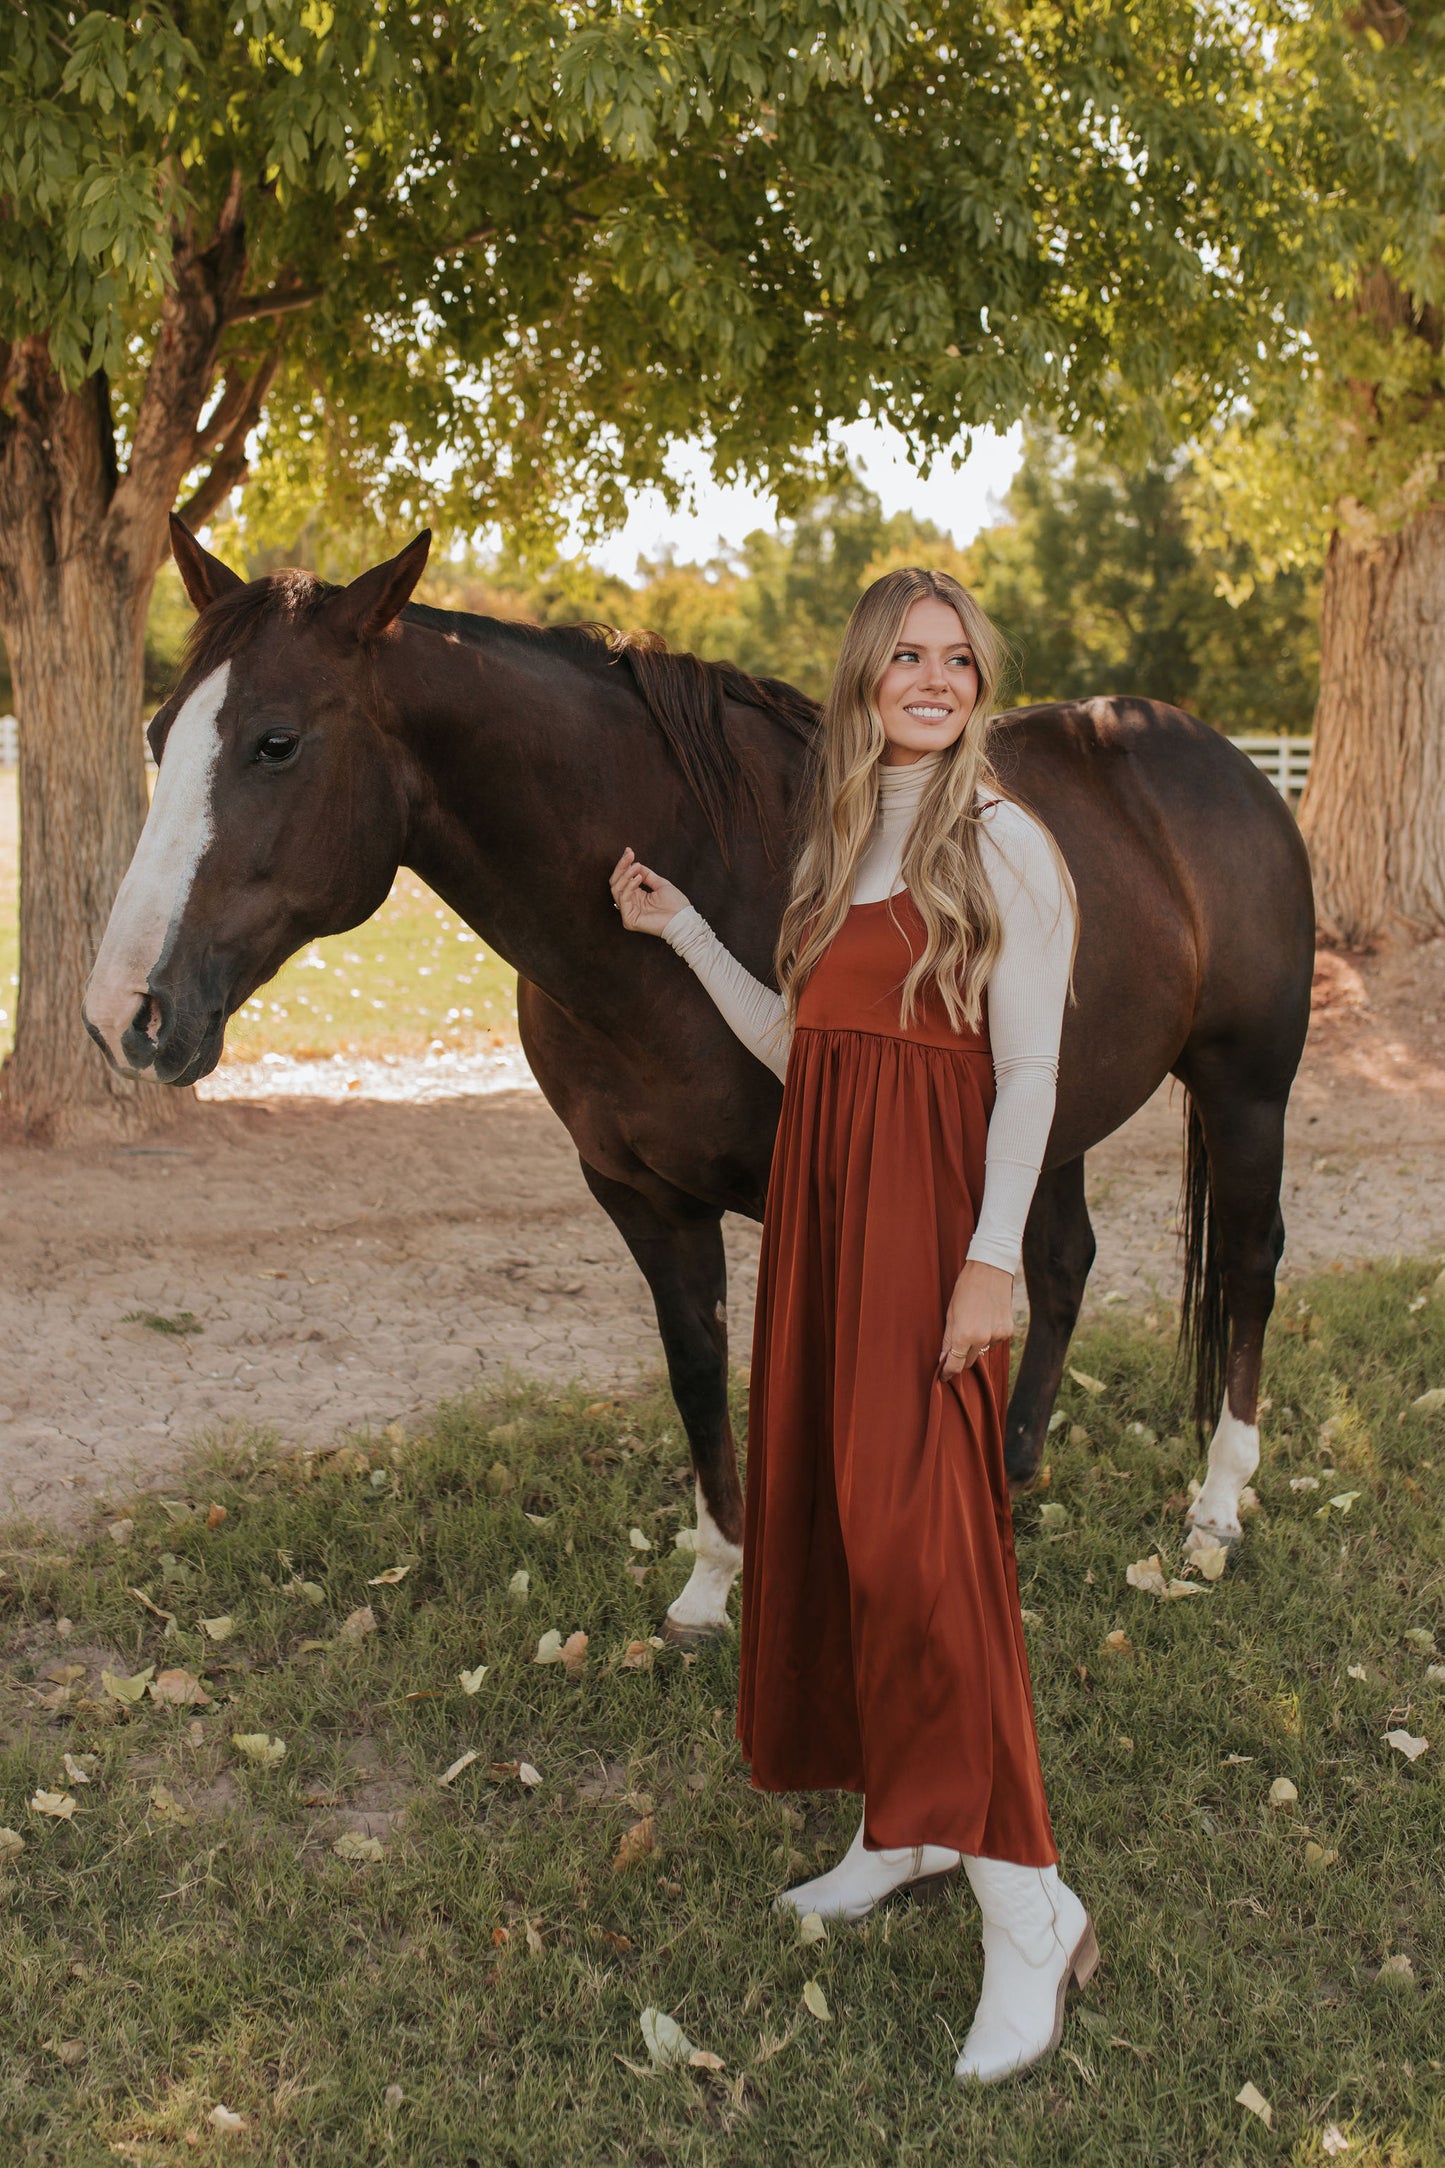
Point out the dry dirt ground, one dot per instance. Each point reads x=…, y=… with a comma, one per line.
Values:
x=351, y=1263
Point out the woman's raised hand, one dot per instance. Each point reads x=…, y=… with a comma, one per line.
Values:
x=644, y=898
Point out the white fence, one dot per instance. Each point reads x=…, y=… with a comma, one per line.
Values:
x=1286, y=761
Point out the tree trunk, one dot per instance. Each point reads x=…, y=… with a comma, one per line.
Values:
x=76, y=652
x=1373, y=812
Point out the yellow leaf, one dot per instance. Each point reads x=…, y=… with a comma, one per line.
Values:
x=519, y=1584
x=1119, y=1642
x=128, y=1690
x=1249, y=2096
x=1317, y=1856
x=352, y=1845
x=1430, y=1403
x=528, y=1776
x=1282, y=1793
x=637, y=1656
x=60, y=1806
x=463, y=1761
x=12, y=1844
x=358, y=1624
x=1053, y=1515
x=257, y=1747
x=222, y=2118
x=1406, y=1743
x=1357, y=1671
x=638, y=1540
x=1147, y=1574
x=703, y=2059
x=218, y=1629
x=1344, y=1500
x=471, y=1680
x=181, y=1688
x=666, y=2040
x=637, y=1842
x=816, y=2001
x=80, y=1772
x=389, y=1579
x=534, y=1939
x=811, y=1929
x=168, y=1807
x=1211, y=1559
x=1082, y=1377
x=1398, y=1967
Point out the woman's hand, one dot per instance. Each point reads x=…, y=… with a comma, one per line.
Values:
x=644, y=898
x=980, y=1314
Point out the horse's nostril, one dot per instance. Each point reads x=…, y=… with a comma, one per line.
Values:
x=147, y=1019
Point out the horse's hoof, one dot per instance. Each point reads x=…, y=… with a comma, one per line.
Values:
x=692, y=1637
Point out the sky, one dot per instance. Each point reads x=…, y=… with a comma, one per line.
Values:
x=960, y=503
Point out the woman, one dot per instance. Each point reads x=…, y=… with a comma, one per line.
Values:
x=882, y=1644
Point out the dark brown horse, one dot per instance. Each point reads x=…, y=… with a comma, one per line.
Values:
x=321, y=737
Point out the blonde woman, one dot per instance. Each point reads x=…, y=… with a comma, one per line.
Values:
x=924, y=961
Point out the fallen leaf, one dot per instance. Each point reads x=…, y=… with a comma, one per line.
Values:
x=519, y=1584
x=1082, y=1377
x=180, y=1688
x=637, y=1656
x=142, y=1597
x=1357, y=1671
x=1211, y=1560
x=637, y=1843
x=66, y=2051
x=393, y=2096
x=258, y=1748
x=389, y=1579
x=471, y=1680
x=1422, y=1638
x=637, y=1574
x=58, y=1805
x=1429, y=1403
x=1304, y=1482
x=534, y=1939
x=218, y=1629
x=1053, y=1515
x=540, y=1520
x=1333, y=2140
x=357, y=1624
x=816, y=2001
x=528, y=1776
x=574, y=1655
x=1406, y=1743
x=549, y=1648
x=80, y=1772
x=1343, y=1500
x=1317, y=1856
x=12, y=1844
x=1436, y=1672
x=120, y=1531
x=1147, y=1574
x=616, y=1941
x=352, y=1845
x=63, y=1674
x=1249, y=2096
x=1230, y=1760
x=638, y=1540
x=811, y=1929
x=1282, y=1793
x=665, y=2038
x=223, y=2118
x=127, y=1690
x=215, y=1515
x=501, y=1936
x=1119, y=1642
x=167, y=1806
x=1249, y=1499
x=703, y=2059
x=1398, y=1967
x=463, y=1761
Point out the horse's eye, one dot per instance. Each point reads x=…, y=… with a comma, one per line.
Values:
x=276, y=746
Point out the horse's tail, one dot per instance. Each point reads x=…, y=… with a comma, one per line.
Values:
x=1203, y=1315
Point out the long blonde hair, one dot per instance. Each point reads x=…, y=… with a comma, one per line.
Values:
x=943, y=864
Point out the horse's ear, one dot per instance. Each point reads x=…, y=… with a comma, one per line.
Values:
x=369, y=604
x=202, y=575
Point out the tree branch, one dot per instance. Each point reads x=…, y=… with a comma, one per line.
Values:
x=281, y=301
x=229, y=465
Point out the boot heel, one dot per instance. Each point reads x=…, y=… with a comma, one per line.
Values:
x=1085, y=1962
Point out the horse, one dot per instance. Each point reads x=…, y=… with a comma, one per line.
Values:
x=320, y=737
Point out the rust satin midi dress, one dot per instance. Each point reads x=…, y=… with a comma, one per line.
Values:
x=882, y=1647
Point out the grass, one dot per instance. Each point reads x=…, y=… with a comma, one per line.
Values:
x=191, y=1938
x=412, y=977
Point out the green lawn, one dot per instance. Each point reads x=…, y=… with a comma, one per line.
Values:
x=411, y=977
x=191, y=1939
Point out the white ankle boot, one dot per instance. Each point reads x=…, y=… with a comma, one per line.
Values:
x=1037, y=1937
x=862, y=1880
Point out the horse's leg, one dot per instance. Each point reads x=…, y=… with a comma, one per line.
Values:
x=1244, y=1133
x=683, y=1263
x=1058, y=1251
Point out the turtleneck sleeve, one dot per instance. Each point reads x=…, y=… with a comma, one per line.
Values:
x=1026, y=992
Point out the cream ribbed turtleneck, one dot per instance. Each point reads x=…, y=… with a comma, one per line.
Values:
x=1026, y=991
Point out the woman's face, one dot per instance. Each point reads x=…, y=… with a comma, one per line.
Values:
x=930, y=687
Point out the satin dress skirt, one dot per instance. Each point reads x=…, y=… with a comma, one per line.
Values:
x=882, y=1647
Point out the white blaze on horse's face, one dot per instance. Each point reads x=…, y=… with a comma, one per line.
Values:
x=158, y=881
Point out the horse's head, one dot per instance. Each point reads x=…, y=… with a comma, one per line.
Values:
x=279, y=810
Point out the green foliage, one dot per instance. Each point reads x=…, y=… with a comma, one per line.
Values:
x=191, y=1937
x=1098, y=583
x=509, y=254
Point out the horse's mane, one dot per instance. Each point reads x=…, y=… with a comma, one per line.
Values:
x=684, y=695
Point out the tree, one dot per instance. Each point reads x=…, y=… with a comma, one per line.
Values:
x=472, y=261
x=1098, y=582
x=1341, y=456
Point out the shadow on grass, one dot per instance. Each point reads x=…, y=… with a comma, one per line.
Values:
x=190, y=1939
